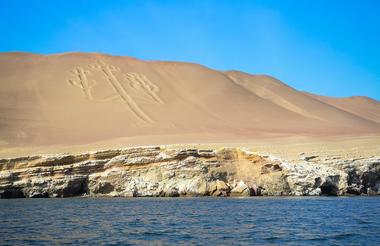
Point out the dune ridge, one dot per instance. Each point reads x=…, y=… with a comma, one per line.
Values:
x=80, y=98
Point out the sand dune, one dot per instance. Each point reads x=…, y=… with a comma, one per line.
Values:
x=363, y=107
x=82, y=98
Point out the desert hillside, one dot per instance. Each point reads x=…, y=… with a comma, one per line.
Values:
x=81, y=98
x=364, y=107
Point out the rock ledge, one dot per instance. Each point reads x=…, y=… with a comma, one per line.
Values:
x=162, y=171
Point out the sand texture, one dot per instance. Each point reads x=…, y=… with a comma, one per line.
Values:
x=83, y=98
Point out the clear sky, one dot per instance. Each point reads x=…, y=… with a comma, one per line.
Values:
x=329, y=47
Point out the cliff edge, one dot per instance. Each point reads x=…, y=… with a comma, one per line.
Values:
x=164, y=171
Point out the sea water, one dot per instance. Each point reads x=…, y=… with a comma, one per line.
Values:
x=206, y=221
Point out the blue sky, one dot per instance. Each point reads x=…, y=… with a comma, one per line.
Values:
x=325, y=47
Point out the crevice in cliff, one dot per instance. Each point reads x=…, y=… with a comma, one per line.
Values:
x=161, y=171
x=12, y=193
x=329, y=190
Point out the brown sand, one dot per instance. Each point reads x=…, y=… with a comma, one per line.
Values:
x=60, y=102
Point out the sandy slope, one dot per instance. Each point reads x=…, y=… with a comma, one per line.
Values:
x=81, y=98
x=363, y=107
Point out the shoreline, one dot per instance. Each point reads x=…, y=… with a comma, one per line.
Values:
x=162, y=171
x=167, y=198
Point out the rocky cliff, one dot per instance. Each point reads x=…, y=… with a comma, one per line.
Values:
x=165, y=171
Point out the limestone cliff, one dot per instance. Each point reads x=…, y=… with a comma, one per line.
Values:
x=165, y=171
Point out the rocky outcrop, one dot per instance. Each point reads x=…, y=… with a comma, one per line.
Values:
x=162, y=171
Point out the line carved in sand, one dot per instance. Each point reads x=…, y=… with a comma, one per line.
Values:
x=135, y=82
x=109, y=72
x=82, y=81
x=140, y=81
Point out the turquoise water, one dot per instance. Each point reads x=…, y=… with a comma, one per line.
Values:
x=246, y=221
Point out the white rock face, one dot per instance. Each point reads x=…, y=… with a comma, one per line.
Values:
x=241, y=189
x=314, y=179
x=159, y=171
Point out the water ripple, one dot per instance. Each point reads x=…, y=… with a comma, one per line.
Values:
x=184, y=221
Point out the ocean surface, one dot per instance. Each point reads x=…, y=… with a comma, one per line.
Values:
x=206, y=221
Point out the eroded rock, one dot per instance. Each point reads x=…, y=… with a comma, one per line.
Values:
x=241, y=189
x=159, y=171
